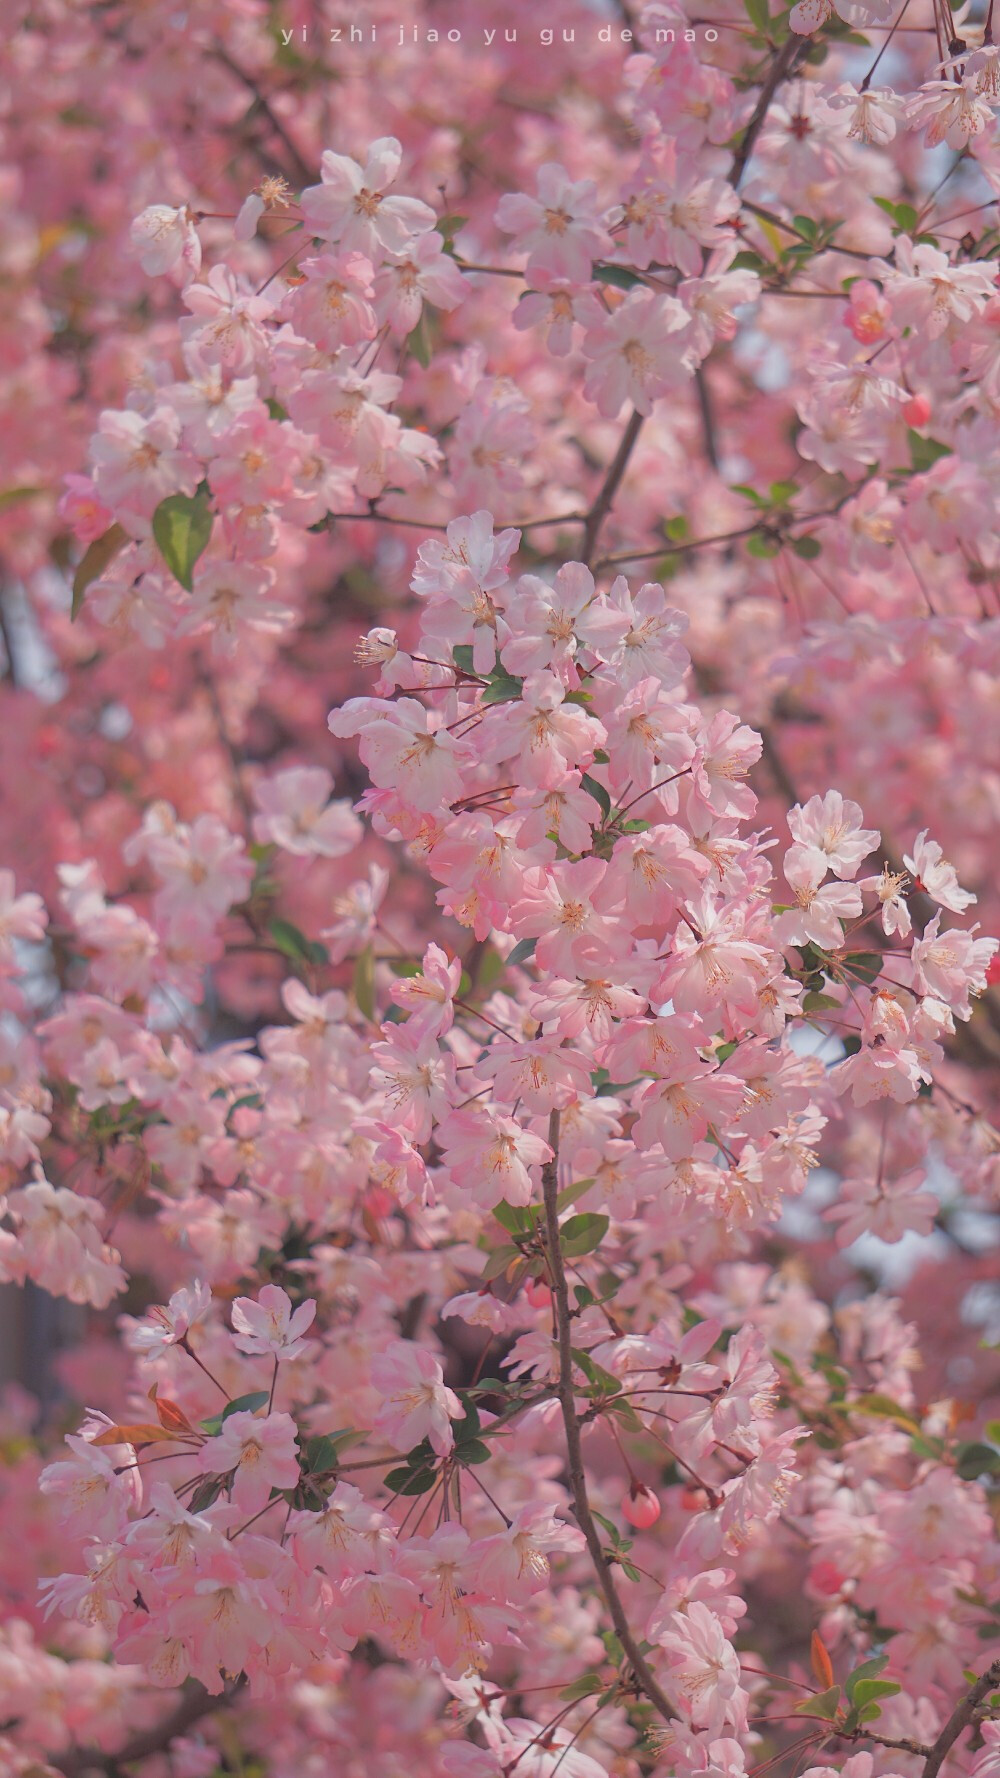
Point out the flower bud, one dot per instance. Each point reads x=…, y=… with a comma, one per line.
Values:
x=917, y=411
x=640, y=1506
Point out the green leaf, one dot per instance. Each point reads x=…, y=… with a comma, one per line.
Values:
x=867, y=1690
x=275, y=409
x=410, y=1481
x=616, y=275
x=294, y=944
x=762, y=546
x=677, y=529
x=247, y=1404
x=749, y=493
x=865, y=966
x=975, y=1460
x=819, y=1002
x=782, y=492
x=597, y=791
x=93, y=563
x=868, y=1670
x=882, y=1407
x=204, y=1495
x=570, y=1193
x=498, y=1261
x=418, y=343
x=363, y=983
x=825, y=1704
x=524, y=949
x=13, y=497
x=319, y=1455
x=511, y=1217
x=472, y=1450
x=807, y=547
x=581, y=1234
x=182, y=526
x=462, y=657
x=759, y=15
x=584, y=1687
x=596, y=1375
x=503, y=688
x=903, y=215
x=925, y=452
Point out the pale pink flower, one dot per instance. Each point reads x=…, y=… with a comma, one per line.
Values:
x=351, y=205
x=821, y=908
x=297, y=814
x=828, y=835
x=164, y=238
x=638, y=353
x=258, y=1452
x=270, y=1326
x=416, y=1403
x=165, y=1326
x=888, y=1208
x=561, y=230
x=703, y=1674
x=21, y=916
x=423, y=273
x=932, y=873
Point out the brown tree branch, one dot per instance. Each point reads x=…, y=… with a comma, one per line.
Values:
x=960, y=1719
x=781, y=68
x=609, y=488
x=194, y=1703
x=574, y=1450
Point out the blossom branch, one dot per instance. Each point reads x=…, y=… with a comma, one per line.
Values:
x=960, y=1719
x=574, y=1449
x=195, y=1703
x=612, y=482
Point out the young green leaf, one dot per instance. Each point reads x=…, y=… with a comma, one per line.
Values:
x=182, y=527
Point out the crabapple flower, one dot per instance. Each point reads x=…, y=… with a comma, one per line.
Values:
x=297, y=815
x=416, y=1403
x=822, y=908
x=165, y=1326
x=639, y=352
x=561, y=230
x=270, y=1326
x=703, y=1673
x=808, y=16
x=258, y=1453
x=888, y=1208
x=932, y=873
x=828, y=835
x=164, y=238
x=21, y=916
x=351, y=207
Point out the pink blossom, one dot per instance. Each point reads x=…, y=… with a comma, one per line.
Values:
x=351, y=205
x=416, y=1404
x=270, y=1325
x=257, y=1453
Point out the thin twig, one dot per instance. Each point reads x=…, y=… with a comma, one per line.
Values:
x=782, y=66
x=574, y=1450
x=609, y=488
